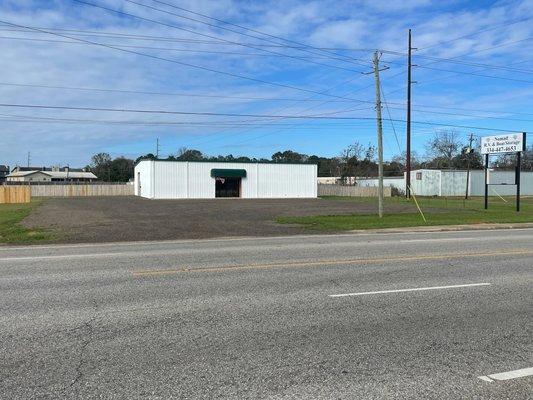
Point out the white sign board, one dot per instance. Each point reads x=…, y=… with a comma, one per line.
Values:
x=506, y=143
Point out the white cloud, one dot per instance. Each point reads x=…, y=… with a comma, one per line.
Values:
x=340, y=33
x=322, y=23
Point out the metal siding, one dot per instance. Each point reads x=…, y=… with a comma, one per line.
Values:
x=144, y=168
x=526, y=183
x=170, y=180
x=395, y=182
x=453, y=183
x=429, y=185
x=287, y=180
x=193, y=179
x=202, y=185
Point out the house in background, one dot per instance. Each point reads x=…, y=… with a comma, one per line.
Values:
x=4, y=172
x=54, y=174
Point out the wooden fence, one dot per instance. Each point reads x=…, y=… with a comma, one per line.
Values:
x=14, y=194
x=352, y=191
x=81, y=190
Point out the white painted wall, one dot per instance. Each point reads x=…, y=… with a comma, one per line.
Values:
x=181, y=179
x=453, y=183
x=142, y=179
x=395, y=182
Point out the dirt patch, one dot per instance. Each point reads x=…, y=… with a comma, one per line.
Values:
x=112, y=219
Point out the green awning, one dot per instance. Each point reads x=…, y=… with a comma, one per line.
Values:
x=228, y=173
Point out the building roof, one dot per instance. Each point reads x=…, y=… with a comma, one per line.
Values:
x=23, y=173
x=56, y=174
x=70, y=174
x=20, y=168
x=229, y=162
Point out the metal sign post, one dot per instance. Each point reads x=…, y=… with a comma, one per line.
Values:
x=503, y=144
x=517, y=179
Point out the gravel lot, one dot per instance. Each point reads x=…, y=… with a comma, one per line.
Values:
x=112, y=219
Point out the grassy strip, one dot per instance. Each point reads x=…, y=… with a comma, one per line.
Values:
x=438, y=212
x=11, y=231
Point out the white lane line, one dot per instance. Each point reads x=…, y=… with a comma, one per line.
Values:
x=504, y=376
x=409, y=290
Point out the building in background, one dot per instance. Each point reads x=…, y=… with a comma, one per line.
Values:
x=54, y=174
x=205, y=180
x=4, y=172
x=436, y=182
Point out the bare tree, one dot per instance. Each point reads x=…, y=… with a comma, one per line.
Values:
x=444, y=146
x=352, y=151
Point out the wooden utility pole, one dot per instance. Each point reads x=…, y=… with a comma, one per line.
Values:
x=380, y=134
x=157, y=148
x=468, y=155
x=408, y=124
x=29, y=159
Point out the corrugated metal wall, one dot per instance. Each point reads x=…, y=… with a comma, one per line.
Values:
x=395, y=182
x=143, y=179
x=174, y=180
x=453, y=183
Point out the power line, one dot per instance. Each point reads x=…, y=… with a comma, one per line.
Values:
x=390, y=119
x=456, y=73
x=78, y=32
x=493, y=27
x=304, y=46
x=475, y=74
x=465, y=54
x=182, y=63
x=201, y=34
x=165, y=48
x=185, y=94
x=473, y=64
x=318, y=117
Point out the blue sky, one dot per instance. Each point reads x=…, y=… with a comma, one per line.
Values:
x=491, y=38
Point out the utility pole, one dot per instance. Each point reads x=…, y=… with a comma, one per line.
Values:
x=29, y=159
x=157, y=148
x=380, y=134
x=408, y=124
x=468, y=155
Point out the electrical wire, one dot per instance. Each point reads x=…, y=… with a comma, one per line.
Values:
x=39, y=106
x=165, y=48
x=203, y=34
x=184, y=94
x=78, y=32
x=493, y=27
x=183, y=63
x=303, y=45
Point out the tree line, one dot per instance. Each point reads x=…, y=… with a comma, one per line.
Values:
x=444, y=150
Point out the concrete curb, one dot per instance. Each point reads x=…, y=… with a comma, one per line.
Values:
x=447, y=228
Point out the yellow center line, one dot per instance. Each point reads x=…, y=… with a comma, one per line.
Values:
x=151, y=272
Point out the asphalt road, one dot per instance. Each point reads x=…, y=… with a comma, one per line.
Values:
x=260, y=318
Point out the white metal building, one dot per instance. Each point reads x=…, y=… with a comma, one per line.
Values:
x=427, y=182
x=435, y=182
x=204, y=180
x=51, y=176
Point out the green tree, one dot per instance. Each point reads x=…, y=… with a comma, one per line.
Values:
x=121, y=169
x=100, y=166
x=289, y=156
x=190, y=155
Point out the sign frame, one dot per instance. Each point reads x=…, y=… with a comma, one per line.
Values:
x=499, y=148
x=503, y=144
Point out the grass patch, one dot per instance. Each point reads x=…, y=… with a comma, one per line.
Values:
x=438, y=211
x=11, y=231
